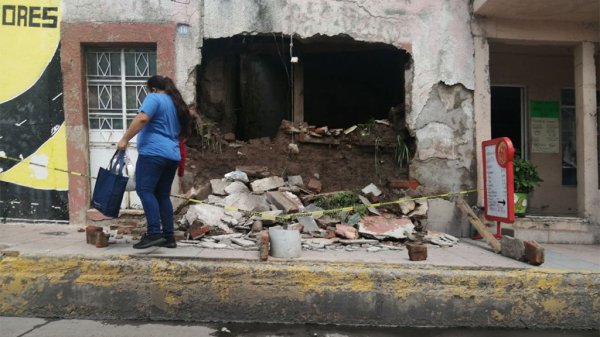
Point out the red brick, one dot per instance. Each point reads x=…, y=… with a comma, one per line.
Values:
x=314, y=185
x=90, y=234
x=264, y=245
x=403, y=184
x=197, y=230
x=534, y=253
x=330, y=234
x=417, y=251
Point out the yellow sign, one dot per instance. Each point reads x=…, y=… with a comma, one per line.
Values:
x=45, y=168
x=29, y=37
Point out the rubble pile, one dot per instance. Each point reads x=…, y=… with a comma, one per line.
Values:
x=249, y=200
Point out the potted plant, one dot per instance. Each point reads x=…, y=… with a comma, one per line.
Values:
x=526, y=178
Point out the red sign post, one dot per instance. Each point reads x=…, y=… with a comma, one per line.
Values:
x=498, y=155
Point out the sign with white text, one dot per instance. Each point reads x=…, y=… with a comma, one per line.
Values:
x=498, y=156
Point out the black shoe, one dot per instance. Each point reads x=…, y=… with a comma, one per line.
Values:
x=170, y=242
x=149, y=240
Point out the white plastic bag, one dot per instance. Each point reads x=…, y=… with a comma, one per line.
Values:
x=130, y=170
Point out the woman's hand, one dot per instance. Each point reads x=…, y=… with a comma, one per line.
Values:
x=122, y=145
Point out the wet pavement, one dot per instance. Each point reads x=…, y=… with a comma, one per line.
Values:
x=37, y=327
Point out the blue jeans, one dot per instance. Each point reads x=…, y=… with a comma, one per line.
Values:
x=153, y=179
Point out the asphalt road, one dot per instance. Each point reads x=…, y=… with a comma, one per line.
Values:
x=37, y=327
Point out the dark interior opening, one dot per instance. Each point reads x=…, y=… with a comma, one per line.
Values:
x=245, y=82
x=352, y=84
x=506, y=114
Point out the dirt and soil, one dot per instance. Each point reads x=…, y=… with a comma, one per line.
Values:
x=367, y=155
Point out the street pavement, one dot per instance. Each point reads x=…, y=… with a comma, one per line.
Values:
x=37, y=327
x=57, y=240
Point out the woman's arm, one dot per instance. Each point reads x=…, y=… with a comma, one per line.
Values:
x=137, y=124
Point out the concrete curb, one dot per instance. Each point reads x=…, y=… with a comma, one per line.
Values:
x=298, y=292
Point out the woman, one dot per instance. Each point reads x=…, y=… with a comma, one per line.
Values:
x=163, y=119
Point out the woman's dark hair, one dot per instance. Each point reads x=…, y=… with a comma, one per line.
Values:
x=183, y=112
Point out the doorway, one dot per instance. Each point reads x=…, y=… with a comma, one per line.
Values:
x=508, y=119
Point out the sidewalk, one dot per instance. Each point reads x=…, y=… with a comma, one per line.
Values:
x=51, y=240
x=56, y=274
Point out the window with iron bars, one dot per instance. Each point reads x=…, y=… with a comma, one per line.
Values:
x=116, y=85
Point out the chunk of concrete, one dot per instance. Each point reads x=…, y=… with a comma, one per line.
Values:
x=371, y=188
x=295, y=181
x=218, y=186
x=421, y=209
x=247, y=202
x=366, y=202
x=236, y=187
x=243, y=242
x=513, y=248
x=309, y=225
x=213, y=199
x=267, y=184
x=407, y=206
x=283, y=201
x=237, y=176
x=381, y=228
x=207, y=214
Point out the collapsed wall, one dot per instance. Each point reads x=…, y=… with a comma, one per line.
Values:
x=435, y=94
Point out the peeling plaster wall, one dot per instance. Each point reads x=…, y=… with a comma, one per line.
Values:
x=187, y=51
x=437, y=33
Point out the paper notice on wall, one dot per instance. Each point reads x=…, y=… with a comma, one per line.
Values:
x=545, y=134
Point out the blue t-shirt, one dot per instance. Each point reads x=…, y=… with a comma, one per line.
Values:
x=160, y=136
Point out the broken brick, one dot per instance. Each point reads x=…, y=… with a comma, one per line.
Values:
x=330, y=234
x=534, y=253
x=264, y=245
x=346, y=231
x=314, y=185
x=197, y=230
x=90, y=234
x=417, y=251
x=403, y=184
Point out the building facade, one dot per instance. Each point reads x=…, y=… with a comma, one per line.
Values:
x=457, y=72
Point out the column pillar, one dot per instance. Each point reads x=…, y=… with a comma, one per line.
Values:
x=482, y=105
x=585, y=112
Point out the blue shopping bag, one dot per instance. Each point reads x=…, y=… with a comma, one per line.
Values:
x=110, y=186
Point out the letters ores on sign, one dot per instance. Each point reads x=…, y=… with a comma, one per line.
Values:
x=498, y=185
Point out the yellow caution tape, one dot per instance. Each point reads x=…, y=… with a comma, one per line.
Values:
x=270, y=215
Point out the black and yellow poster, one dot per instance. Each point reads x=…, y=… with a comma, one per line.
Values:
x=32, y=131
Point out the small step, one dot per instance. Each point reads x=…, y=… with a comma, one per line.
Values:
x=553, y=229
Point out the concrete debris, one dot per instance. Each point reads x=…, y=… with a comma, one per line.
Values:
x=237, y=176
x=366, y=202
x=236, y=187
x=243, y=242
x=213, y=199
x=248, y=202
x=286, y=201
x=267, y=184
x=421, y=207
x=371, y=188
x=381, y=228
x=218, y=186
x=441, y=239
x=295, y=181
x=212, y=245
x=373, y=249
x=407, y=207
x=309, y=225
x=207, y=214
x=350, y=129
x=293, y=148
x=512, y=247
